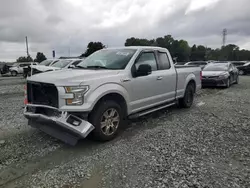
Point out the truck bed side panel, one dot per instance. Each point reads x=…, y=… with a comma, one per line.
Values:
x=185, y=75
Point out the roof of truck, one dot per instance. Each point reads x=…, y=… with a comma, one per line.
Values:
x=137, y=47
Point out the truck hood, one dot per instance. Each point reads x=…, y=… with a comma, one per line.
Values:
x=44, y=68
x=213, y=73
x=71, y=77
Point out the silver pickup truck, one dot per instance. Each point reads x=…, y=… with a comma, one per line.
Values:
x=106, y=88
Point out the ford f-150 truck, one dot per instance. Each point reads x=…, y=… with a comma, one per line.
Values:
x=109, y=86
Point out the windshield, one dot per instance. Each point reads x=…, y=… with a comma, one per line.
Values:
x=62, y=63
x=216, y=68
x=109, y=58
x=46, y=62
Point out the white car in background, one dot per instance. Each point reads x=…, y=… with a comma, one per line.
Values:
x=40, y=66
x=59, y=64
x=18, y=68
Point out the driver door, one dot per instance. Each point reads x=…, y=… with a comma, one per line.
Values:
x=147, y=91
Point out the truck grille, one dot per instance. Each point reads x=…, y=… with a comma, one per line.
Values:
x=42, y=93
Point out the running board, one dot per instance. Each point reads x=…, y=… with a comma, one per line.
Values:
x=145, y=112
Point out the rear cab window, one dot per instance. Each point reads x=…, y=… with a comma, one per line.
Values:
x=163, y=60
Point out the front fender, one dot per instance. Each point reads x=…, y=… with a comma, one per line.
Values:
x=94, y=96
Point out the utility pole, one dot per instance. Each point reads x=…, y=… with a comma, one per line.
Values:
x=224, y=37
x=69, y=51
x=27, y=46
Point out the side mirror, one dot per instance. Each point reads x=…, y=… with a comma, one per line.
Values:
x=143, y=70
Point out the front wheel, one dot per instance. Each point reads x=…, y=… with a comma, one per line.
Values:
x=13, y=73
x=228, y=83
x=107, y=118
x=188, y=99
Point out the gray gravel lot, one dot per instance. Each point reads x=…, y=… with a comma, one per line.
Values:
x=206, y=146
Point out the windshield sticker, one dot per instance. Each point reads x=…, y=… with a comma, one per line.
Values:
x=122, y=53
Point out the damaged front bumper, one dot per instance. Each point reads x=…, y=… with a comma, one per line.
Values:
x=61, y=125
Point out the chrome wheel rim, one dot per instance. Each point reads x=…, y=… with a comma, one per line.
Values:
x=110, y=121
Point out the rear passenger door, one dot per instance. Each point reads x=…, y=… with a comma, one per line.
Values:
x=168, y=75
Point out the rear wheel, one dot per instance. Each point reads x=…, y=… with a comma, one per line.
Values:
x=107, y=118
x=13, y=73
x=241, y=72
x=188, y=99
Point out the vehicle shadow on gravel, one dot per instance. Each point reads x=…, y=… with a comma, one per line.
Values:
x=130, y=129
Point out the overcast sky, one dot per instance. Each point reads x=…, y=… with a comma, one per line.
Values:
x=70, y=24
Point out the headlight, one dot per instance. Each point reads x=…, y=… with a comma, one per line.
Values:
x=78, y=94
x=223, y=76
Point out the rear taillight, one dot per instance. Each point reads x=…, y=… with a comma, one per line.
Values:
x=25, y=95
x=200, y=75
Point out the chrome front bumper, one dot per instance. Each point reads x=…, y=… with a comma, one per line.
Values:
x=60, y=125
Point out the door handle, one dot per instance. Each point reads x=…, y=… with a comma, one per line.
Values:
x=125, y=80
x=159, y=78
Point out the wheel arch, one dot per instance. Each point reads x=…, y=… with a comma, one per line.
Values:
x=114, y=96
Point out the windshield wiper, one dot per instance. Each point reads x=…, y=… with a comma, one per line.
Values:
x=97, y=67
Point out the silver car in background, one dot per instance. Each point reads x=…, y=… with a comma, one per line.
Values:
x=220, y=74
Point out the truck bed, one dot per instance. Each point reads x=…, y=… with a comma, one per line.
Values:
x=184, y=72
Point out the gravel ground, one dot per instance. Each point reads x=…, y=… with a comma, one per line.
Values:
x=11, y=85
x=206, y=146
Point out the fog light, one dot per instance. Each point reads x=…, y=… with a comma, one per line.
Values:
x=73, y=120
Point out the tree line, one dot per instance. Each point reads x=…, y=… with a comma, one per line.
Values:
x=183, y=52
x=179, y=49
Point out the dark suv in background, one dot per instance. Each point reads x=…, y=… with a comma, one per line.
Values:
x=244, y=69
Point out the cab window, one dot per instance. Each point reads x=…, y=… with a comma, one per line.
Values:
x=147, y=58
x=164, y=61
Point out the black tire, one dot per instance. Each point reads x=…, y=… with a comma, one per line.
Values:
x=13, y=73
x=97, y=115
x=237, y=80
x=241, y=72
x=228, y=84
x=188, y=99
